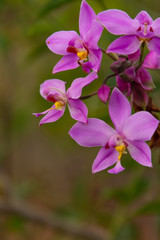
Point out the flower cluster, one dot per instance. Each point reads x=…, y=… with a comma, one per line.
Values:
x=133, y=84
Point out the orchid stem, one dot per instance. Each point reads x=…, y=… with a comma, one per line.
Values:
x=106, y=79
x=112, y=56
x=142, y=52
x=155, y=109
x=88, y=96
x=139, y=65
x=141, y=60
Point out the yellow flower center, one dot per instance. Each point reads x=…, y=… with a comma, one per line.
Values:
x=121, y=149
x=146, y=40
x=82, y=55
x=58, y=106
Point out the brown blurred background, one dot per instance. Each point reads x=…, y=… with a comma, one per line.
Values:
x=42, y=168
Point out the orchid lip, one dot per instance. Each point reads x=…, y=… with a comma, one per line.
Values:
x=82, y=53
x=46, y=92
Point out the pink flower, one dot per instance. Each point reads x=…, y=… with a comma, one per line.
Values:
x=138, y=30
x=53, y=90
x=78, y=50
x=131, y=132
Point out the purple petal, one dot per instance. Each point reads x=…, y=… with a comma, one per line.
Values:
x=140, y=96
x=129, y=74
x=134, y=57
x=58, y=41
x=118, y=168
x=124, y=45
x=140, y=152
x=52, y=116
x=140, y=126
x=156, y=27
x=105, y=158
x=78, y=110
x=86, y=67
x=94, y=133
x=123, y=86
x=119, y=109
x=75, y=90
x=42, y=113
x=76, y=43
x=93, y=35
x=87, y=15
x=154, y=44
x=95, y=57
x=67, y=62
x=152, y=60
x=118, y=22
x=145, y=79
x=52, y=86
x=103, y=93
x=143, y=17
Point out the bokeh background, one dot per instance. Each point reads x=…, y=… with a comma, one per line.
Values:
x=47, y=190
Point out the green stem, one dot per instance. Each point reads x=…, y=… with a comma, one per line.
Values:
x=88, y=96
x=112, y=56
x=110, y=76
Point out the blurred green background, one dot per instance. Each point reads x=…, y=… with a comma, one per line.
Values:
x=43, y=165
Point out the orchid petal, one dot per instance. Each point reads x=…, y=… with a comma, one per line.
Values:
x=134, y=57
x=103, y=93
x=67, y=62
x=94, y=133
x=95, y=57
x=152, y=60
x=93, y=35
x=124, y=45
x=123, y=86
x=145, y=79
x=156, y=27
x=140, y=152
x=78, y=110
x=154, y=45
x=117, y=168
x=86, y=67
x=105, y=158
x=140, y=126
x=58, y=41
x=75, y=90
x=76, y=43
x=119, y=109
x=143, y=17
x=129, y=74
x=52, y=115
x=140, y=96
x=52, y=86
x=118, y=22
x=41, y=113
x=86, y=17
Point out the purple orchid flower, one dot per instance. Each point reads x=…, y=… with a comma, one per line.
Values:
x=131, y=132
x=53, y=90
x=78, y=50
x=138, y=30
